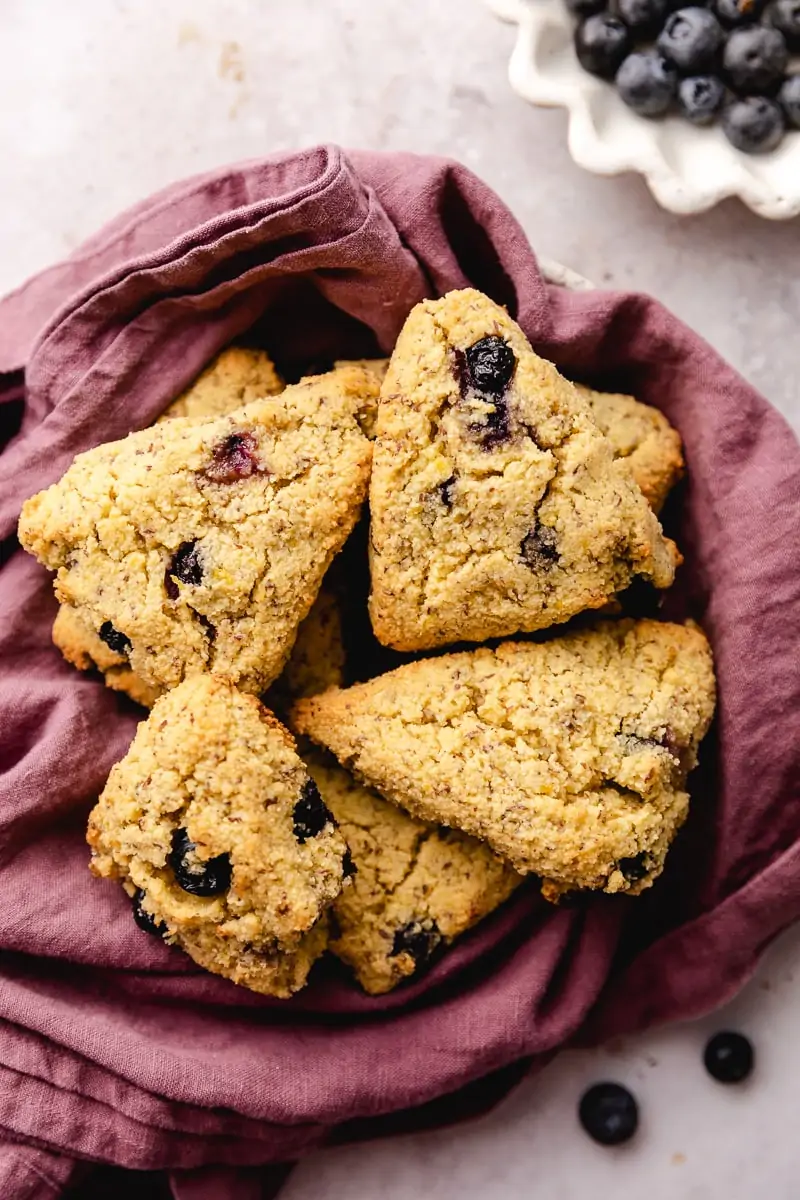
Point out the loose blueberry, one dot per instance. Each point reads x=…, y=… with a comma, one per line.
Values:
x=187, y=566
x=789, y=97
x=691, y=39
x=601, y=43
x=754, y=125
x=585, y=8
x=738, y=12
x=310, y=815
x=729, y=1057
x=417, y=939
x=647, y=83
x=784, y=15
x=539, y=548
x=700, y=98
x=609, y=1113
x=644, y=18
x=490, y=365
x=634, y=869
x=196, y=876
x=115, y=640
x=145, y=920
x=754, y=60
x=233, y=459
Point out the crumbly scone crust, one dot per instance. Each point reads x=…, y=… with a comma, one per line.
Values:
x=236, y=377
x=86, y=650
x=360, y=380
x=569, y=757
x=216, y=764
x=472, y=536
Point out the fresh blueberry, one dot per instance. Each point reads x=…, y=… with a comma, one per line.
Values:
x=115, y=640
x=490, y=365
x=789, y=97
x=738, y=12
x=233, y=459
x=585, y=8
x=644, y=18
x=691, y=39
x=784, y=15
x=539, y=548
x=753, y=125
x=187, y=566
x=634, y=869
x=609, y=1113
x=199, y=877
x=310, y=815
x=700, y=98
x=647, y=83
x=145, y=920
x=601, y=43
x=417, y=939
x=754, y=59
x=729, y=1057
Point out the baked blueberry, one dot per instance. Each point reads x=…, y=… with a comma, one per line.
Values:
x=738, y=12
x=185, y=565
x=145, y=920
x=729, y=1057
x=700, y=98
x=417, y=939
x=539, y=548
x=647, y=82
x=634, y=868
x=115, y=640
x=691, y=39
x=754, y=125
x=754, y=60
x=446, y=491
x=609, y=1113
x=601, y=43
x=199, y=877
x=585, y=8
x=644, y=18
x=490, y=365
x=233, y=459
x=784, y=15
x=310, y=815
x=789, y=97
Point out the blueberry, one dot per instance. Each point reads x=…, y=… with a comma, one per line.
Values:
x=585, y=8
x=609, y=1113
x=753, y=125
x=146, y=920
x=644, y=18
x=784, y=15
x=729, y=1057
x=691, y=39
x=634, y=869
x=115, y=640
x=187, y=566
x=310, y=815
x=789, y=97
x=540, y=548
x=198, y=877
x=738, y=12
x=647, y=83
x=446, y=491
x=233, y=459
x=601, y=43
x=417, y=939
x=755, y=59
x=700, y=98
x=490, y=364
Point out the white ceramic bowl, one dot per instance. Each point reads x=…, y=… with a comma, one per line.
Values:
x=687, y=169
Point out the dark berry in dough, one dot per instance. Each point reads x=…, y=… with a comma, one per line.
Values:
x=417, y=939
x=310, y=814
x=185, y=565
x=196, y=876
x=145, y=920
x=233, y=459
x=539, y=548
x=490, y=365
x=115, y=640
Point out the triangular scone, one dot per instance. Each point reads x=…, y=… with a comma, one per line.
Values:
x=569, y=757
x=236, y=377
x=496, y=503
x=200, y=546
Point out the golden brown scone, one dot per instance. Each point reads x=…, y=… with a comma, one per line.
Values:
x=568, y=757
x=496, y=504
x=361, y=381
x=235, y=378
x=87, y=651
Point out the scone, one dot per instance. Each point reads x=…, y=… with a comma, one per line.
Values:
x=221, y=838
x=642, y=436
x=496, y=503
x=416, y=886
x=360, y=379
x=569, y=757
x=236, y=377
x=104, y=651
x=201, y=545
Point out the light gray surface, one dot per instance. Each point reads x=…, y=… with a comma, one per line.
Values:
x=101, y=102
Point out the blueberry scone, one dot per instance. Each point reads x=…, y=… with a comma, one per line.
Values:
x=221, y=838
x=105, y=651
x=360, y=379
x=236, y=377
x=496, y=503
x=416, y=886
x=201, y=545
x=568, y=757
x=642, y=436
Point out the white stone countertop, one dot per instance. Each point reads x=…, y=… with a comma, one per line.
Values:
x=101, y=102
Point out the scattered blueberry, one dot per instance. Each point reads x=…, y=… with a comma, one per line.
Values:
x=643, y=18
x=115, y=640
x=585, y=8
x=146, y=920
x=490, y=365
x=310, y=815
x=186, y=565
x=647, y=83
x=417, y=939
x=754, y=125
x=609, y=1113
x=755, y=59
x=198, y=877
x=784, y=15
x=634, y=869
x=738, y=12
x=789, y=97
x=233, y=459
x=691, y=39
x=601, y=43
x=700, y=98
x=540, y=548
x=729, y=1057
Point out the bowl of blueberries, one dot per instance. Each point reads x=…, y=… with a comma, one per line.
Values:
x=702, y=98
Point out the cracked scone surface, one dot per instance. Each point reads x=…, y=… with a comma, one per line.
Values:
x=236, y=377
x=215, y=828
x=643, y=437
x=568, y=757
x=416, y=886
x=496, y=503
x=202, y=544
